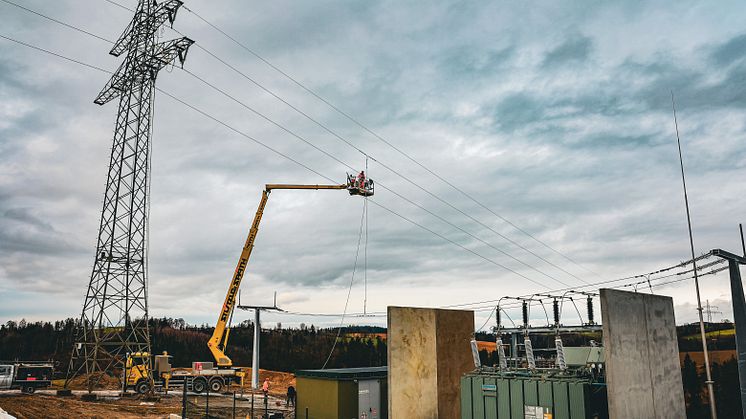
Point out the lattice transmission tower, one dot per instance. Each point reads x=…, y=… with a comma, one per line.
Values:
x=114, y=321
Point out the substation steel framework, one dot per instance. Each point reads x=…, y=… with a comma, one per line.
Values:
x=114, y=321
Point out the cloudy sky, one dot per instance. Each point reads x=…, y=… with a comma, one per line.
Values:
x=555, y=116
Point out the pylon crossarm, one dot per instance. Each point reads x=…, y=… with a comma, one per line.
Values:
x=163, y=12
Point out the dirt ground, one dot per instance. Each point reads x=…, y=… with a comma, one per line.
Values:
x=45, y=404
x=278, y=381
x=48, y=406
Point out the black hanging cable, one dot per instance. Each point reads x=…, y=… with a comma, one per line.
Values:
x=349, y=290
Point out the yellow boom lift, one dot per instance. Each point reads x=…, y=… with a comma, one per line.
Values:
x=204, y=374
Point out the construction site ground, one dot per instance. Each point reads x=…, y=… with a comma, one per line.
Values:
x=109, y=404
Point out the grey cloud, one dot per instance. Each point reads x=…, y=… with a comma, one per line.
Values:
x=731, y=51
x=575, y=49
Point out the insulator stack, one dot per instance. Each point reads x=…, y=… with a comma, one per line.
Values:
x=529, y=353
x=525, y=313
x=498, y=317
x=590, y=310
x=561, y=363
x=555, y=306
x=502, y=362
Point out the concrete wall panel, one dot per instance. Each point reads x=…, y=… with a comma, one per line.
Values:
x=642, y=362
x=428, y=352
x=454, y=331
x=413, y=385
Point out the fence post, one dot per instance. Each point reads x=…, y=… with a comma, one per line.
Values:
x=207, y=403
x=306, y=413
x=252, y=404
x=184, y=400
x=234, y=405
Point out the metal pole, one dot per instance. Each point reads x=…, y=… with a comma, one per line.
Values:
x=739, y=318
x=266, y=404
x=207, y=403
x=255, y=355
x=234, y=405
x=127, y=356
x=184, y=400
x=252, y=405
x=710, y=386
x=306, y=413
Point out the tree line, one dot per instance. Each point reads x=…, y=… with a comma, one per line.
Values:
x=281, y=349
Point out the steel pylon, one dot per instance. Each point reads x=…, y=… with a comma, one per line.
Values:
x=114, y=320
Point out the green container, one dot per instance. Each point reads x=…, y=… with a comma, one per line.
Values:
x=496, y=396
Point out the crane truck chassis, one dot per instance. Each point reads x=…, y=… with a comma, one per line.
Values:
x=205, y=375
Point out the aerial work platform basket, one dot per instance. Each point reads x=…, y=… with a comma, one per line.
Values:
x=359, y=185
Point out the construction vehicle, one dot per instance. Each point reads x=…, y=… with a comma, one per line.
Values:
x=202, y=377
x=222, y=372
x=26, y=375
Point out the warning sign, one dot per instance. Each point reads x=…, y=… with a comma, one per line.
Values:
x=536, y=412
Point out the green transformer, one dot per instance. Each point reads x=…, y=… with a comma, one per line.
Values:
x=510, y=395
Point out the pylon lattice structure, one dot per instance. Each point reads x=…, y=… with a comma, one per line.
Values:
x=114, y=321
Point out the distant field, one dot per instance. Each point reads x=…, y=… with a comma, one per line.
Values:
x=714, y=334
x=382, y=336
x=715, y=356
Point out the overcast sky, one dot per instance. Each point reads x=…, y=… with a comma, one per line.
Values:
x=555, y=116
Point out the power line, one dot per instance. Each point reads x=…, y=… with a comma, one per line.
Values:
x=382, y=164
x=662, y=270
x=263, y=116
x=379, y=184
x=339, y=137
x=264, y=145
x=75, y=28
x=370, y=131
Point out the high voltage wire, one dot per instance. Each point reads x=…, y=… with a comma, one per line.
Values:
x=378, y=183
x=512, y=305
x=255, y=140
x=491, y=308
x=634, y=284
x=382, y=164
x=679, y=265
x=207, y=83
x=367, y=155
x=388, y=143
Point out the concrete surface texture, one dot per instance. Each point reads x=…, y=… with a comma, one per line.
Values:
x=642, y=356
x=428, y=352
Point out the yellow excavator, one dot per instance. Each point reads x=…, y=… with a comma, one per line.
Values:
x=204, y=375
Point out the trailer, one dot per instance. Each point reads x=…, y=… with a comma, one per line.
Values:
x=27, y=376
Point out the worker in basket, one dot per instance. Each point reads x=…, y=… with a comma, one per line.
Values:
x=361, y=180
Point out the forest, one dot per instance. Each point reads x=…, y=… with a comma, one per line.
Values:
x=282, y=349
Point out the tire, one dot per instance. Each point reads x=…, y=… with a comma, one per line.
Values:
x=142, y=387
x=216, y=385
x=28, y=389
x=199, y=385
